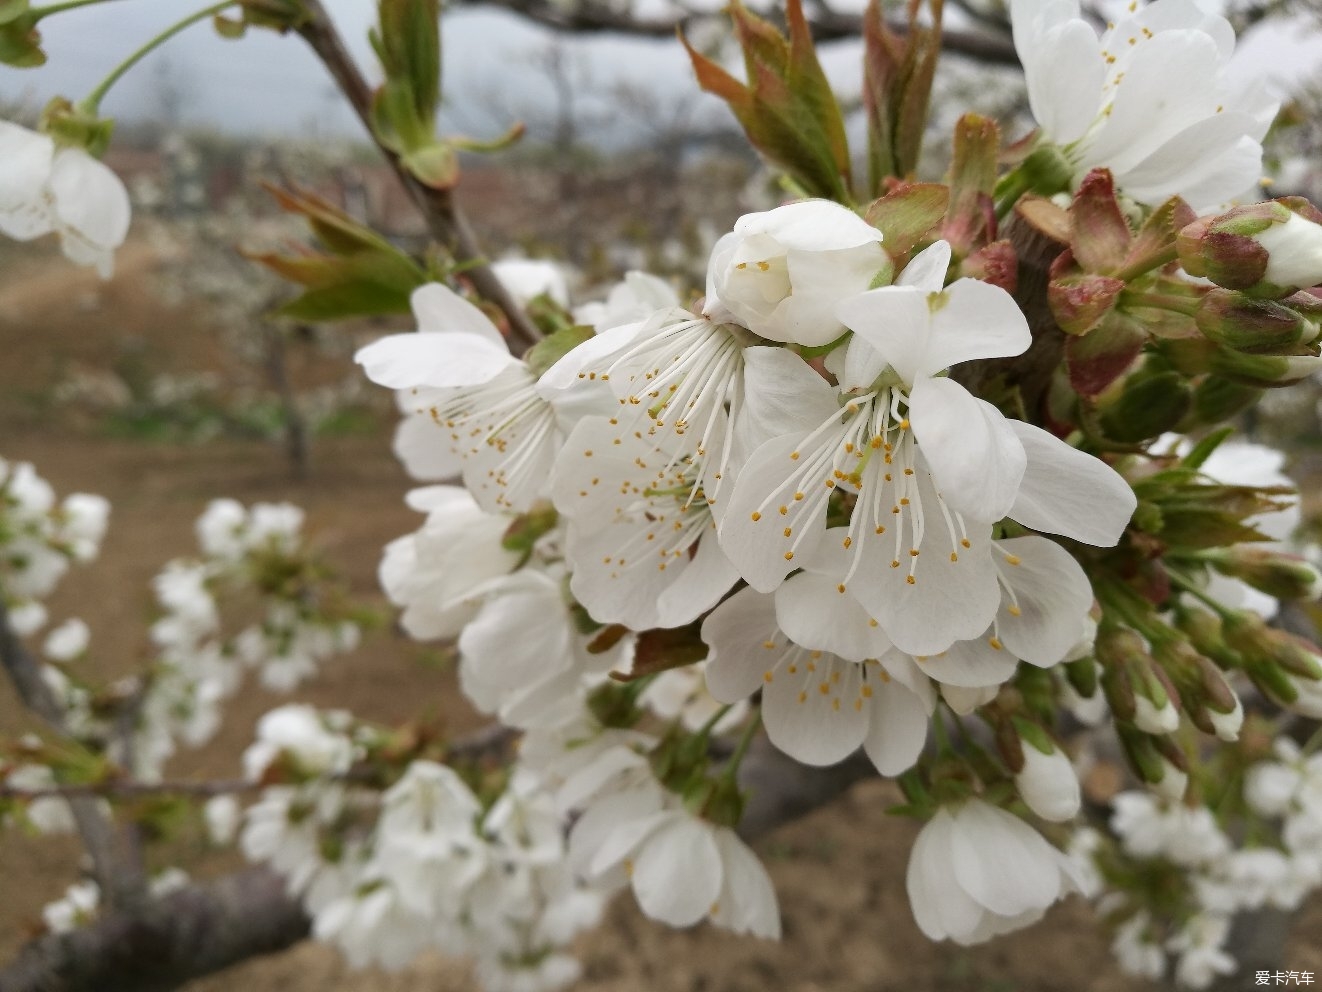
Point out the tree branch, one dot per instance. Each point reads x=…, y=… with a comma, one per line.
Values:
x=201, y=929
x=440, y=209
x=120, y=881
x=827, y=25
x=194, y=931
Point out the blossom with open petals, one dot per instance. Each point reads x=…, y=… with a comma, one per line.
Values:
x=473, y=405
x=927, y=466
x=45, y=188
x=1149, y=99
x=641, y=536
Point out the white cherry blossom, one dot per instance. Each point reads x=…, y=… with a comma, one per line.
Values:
x=641, y=536
x=472, y=405
x=45, y=187
x=435, y=573
x=817, y=707
x=976, y=872
x=781, y=272
x=1149, y=99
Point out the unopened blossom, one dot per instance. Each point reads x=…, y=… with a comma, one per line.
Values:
x=528, y=278
x=1294, y=252
x=47, y=188
x=300, y=733
x=976, y=872
x=1149, y=99
x=1047, y=784
x=472, y=405
x=781, y=272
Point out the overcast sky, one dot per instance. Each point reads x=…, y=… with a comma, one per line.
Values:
x=271, y=85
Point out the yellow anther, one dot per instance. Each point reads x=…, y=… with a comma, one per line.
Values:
x=824, y=688
x=788, y=531
x=784, y=510
x=1014, y=611
x=954, y=556
x=913, y=552
x=768, y=644
x=1013, y=559
x=847, y=542
x=965, y=543
x=789, y=555
x=995, y=643
x=895, y=563
x=756, y=516
x=767, y=676
x=840, y=587
x=798, y=497
x=794, y=456
x=764, y=266
x=881, y=529
x=911, y=580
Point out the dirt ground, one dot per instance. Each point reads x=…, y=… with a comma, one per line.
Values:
x=839, y=873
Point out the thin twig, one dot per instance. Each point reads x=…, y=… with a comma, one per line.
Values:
x=440, y=208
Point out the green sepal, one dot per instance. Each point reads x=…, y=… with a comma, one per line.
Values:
x=550, y=350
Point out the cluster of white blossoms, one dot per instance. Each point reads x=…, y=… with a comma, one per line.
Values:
x=1171, y=880
x=424, y=865
x=246, y=553
x=834, y=522
x=39, y=538
x=46, y=187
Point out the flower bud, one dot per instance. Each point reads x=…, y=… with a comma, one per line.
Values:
x=1115, y=648
x=1205, y=695
x=1267, y=249
x=1294, y=248
x=781, y=272
x=1047, y=782
x=1145, y=406
x=1285, y=667
x=1276, y=573
x=1265, y=371
x=1241, y=323
x=1156, y=761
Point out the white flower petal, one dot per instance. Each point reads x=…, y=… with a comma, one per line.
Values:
x=817, y=715
x=677, y=875
x=976, y=458
x=1002, y=862
x=1050, y=595
x=1069, y=492
x=736, y=632
x=897, y=728
x=747, y=902
x=439, y=309
x=405, y=361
